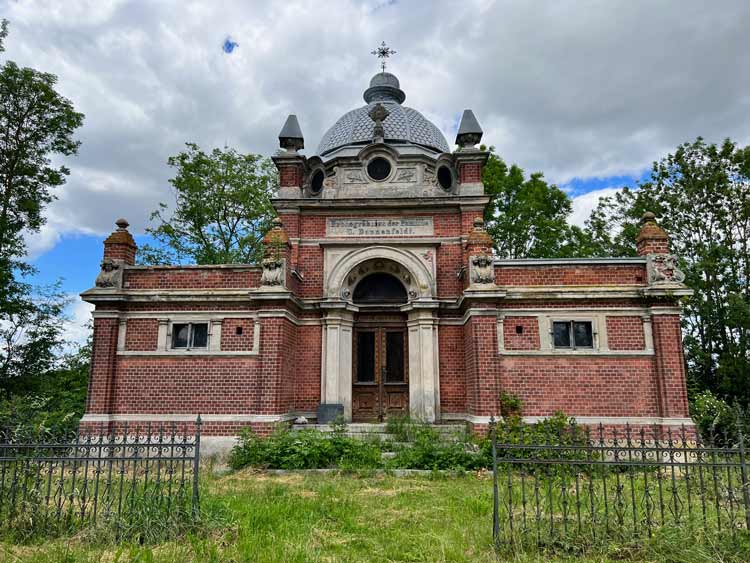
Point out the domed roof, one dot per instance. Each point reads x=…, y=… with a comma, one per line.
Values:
x=402, y=124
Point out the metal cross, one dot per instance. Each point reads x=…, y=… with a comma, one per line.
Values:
x=383, y=52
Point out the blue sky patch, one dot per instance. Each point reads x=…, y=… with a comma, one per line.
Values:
x=229, y=46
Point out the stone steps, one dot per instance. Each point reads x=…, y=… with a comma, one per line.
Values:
x=379, y=431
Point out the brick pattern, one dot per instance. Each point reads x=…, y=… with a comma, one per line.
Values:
x=290, y=175
x=670, y=365
x=233, y=342
x=570, y=275
x=192, y=278
x=625, y=333
x=470, y=173
x=141, y=334
x=482, y=365
x=583, y=386
x=101, y=377
x=120, y=252
x=528, y=339
x=307, y=368
x=452, y=376
x=650, y=246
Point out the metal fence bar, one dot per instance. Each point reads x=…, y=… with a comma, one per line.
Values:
x=53, y=481
x=624, y=483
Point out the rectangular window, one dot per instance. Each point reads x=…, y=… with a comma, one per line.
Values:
x=573, y=334
x=189, y=335
x=365, y=357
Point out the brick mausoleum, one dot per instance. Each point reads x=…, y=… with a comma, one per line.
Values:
x=379, y=295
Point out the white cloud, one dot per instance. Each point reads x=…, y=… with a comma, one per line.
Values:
x=76, y=330
x=574, y=89
x=583, y=204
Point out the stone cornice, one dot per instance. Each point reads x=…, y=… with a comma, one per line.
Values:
x=373, y=205
x=542, y=262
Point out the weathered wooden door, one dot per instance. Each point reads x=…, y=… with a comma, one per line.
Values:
x=380, y=384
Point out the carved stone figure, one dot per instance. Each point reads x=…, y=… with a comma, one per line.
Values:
x=273, y=272
x=406, y=175
x=354, y=177
x=110, y=274
x=662, y=268
x=482, y=269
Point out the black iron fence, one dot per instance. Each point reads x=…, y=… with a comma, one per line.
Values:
x=581, y=485
x=54, y=483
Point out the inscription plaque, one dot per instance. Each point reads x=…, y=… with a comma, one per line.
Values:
x=386, y=227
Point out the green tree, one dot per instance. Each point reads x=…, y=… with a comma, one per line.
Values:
x=702, y=195
x=221, y=211
x=527, y=217
x=36, y=124
x=3, y=34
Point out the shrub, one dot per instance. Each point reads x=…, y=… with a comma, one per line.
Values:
x=430, y=451
x=716, y=420
x=304, y=449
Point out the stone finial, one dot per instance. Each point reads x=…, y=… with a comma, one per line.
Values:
x=479, y=237
x=290, y=137
x=120, y=245
x=651, y=239
x=277, y=235
x=469, y=131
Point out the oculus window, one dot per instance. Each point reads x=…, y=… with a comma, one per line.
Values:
x=378, y=168
x=189, y=335
x=316, y=183
x=573, y=334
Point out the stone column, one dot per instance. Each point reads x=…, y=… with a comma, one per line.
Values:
x=424, y=376
x=336, y=364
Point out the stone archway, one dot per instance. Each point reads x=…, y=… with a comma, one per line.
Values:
x=421, y=326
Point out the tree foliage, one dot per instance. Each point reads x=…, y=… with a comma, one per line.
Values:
x=702, y=195
x=36, y=124
x=221, y=211
x=527, y=217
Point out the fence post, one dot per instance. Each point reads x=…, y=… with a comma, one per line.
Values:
x=196, y=464
x=495, y=490
x=743, y=473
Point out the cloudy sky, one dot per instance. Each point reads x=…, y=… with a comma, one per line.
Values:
x=588, y=92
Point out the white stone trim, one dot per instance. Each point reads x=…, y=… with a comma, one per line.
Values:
x=634, y=260
x=587, y=420
x=597, y=317
x=473, y=312
x=187, y=353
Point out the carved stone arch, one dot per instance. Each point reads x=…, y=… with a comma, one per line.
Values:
x=402, y=264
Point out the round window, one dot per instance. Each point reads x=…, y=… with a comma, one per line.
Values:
x=378, y=168
x=445, y=177
x=316, y=183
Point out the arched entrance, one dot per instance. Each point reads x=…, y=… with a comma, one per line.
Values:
x=378, y=297
x=380, y=382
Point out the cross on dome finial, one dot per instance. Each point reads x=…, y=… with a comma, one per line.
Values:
x=383, y=52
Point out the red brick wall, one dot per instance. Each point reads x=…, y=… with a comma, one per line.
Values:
x=308, y=364
x=625, y=333
x=482, y=365
x=141, y=334
x=123, y=252
x=527, y=340
x=192, y=278
x=99, y=395
x=290, y=175
x=583, y=385
x=233, y=342
x=449, y=258
x=670, y=365
x=570, y=275
x=452, y=369
x=471, y=172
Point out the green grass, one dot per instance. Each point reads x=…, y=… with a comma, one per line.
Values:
x=349, y=517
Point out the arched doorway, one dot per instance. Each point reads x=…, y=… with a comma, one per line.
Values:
x=380, y=382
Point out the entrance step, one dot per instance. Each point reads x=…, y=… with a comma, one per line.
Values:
x=379, y=431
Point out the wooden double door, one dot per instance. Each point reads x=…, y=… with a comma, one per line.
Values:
x=380, y=383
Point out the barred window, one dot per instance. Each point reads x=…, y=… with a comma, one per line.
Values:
x=573, y=334
x=189, y=335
